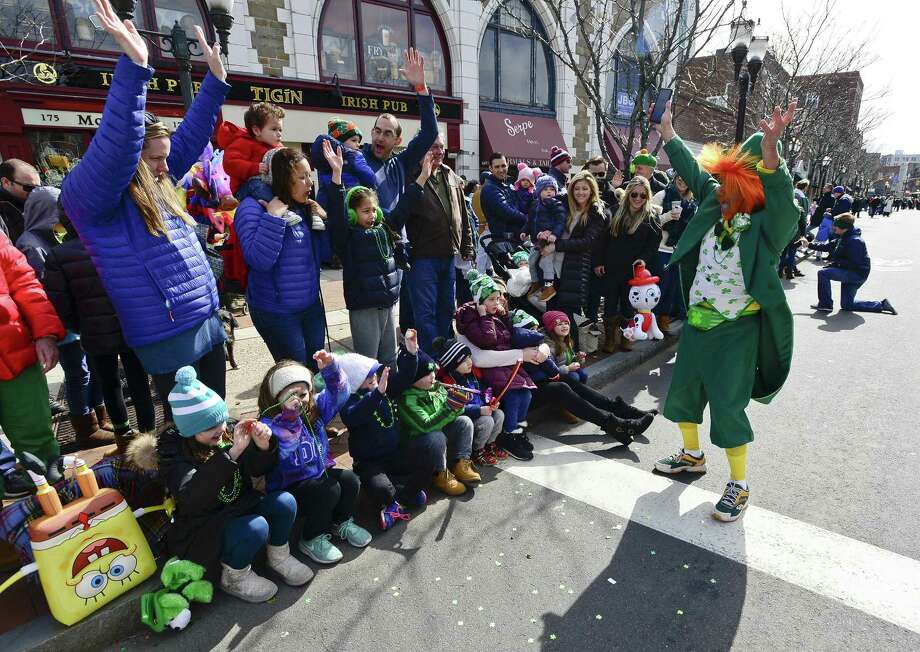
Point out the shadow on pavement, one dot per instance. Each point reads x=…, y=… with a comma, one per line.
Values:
x=843, y=320
x=657, y=592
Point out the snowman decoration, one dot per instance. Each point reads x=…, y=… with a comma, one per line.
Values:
x=644, y=295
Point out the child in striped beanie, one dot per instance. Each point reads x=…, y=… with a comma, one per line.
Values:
x=209, y=474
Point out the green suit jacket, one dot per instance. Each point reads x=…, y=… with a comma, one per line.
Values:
x=760, y=246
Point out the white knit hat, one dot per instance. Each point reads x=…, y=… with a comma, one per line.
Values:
x=357, y=368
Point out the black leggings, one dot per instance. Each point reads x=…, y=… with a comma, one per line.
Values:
x=576, y=397
x=106, y=367
x=616, y=299
x=329, y=499
x=212, y=372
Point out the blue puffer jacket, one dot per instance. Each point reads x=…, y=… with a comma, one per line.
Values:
x=848, y=251
x=283, y=271
x=370, y=277
x=547, y=215
x=356, y=171
x=499, y=203
x=160, y=286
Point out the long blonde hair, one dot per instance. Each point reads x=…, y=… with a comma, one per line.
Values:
x=625, y=221
x=576, y=217
x=151, y=196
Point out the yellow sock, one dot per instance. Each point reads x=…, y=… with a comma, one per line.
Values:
x=737, y=462
x=691, y=435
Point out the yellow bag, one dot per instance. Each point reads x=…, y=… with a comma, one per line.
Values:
x=88, y=552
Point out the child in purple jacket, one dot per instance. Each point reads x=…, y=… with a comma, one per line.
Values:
x=326, y=496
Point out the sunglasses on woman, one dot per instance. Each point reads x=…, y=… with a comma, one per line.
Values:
x=637, y=195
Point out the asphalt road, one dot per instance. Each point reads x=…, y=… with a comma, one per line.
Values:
x=568, y=560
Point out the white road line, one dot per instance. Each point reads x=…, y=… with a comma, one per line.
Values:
x=868, y=578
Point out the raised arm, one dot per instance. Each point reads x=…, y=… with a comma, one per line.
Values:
x=781, y=207
x=93, y=189
x=198, y=124
x=682, y=159
x=414, y=72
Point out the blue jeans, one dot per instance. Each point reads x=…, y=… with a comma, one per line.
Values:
x=850, y=282
x=578, y=376
x=270, y=522
x=787, y=259
x=7, y=459
x=515, y=404
x=432, y=291
x=83, y=393
x=292, y=336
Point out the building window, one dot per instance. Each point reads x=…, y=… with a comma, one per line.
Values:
x=380, y=31
x=515, y=67
x=80, y=29
x=186, y=12
x=26, y=20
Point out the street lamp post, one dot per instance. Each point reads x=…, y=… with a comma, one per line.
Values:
x=178, y=44
x=745, y=49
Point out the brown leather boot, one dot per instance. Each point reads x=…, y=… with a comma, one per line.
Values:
x=567, y=416
x=611, y=330
x=88, y=432
x=664, y=322
x=102, y=416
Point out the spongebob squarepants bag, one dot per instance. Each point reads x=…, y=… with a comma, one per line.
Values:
x=88, y=552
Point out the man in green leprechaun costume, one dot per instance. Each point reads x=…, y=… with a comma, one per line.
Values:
x=737, y=344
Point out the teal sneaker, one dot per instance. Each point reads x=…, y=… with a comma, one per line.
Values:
x=733, y=503
x=320, y=549
x=355, y=535
x=681, y=461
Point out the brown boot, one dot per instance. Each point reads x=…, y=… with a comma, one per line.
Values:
x=567, y=416
x=102, y=417
x=664, y=323
x=463, y=470
x=86, y=427
x=447, y=483
x=611, y=331
x=622, y=344
x=122, y=439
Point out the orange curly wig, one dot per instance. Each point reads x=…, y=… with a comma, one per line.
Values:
x=740, y=189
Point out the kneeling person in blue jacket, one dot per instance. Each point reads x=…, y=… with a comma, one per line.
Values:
x=850, y=265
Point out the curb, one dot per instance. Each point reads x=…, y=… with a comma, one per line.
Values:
x=121, y=619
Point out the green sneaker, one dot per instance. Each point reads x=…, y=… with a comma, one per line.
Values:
x=320, y=549
x=733, y=503
x=355, y=535
x=681, y=461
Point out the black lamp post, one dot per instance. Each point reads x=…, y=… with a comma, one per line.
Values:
x=749, y=49
x=178, y=44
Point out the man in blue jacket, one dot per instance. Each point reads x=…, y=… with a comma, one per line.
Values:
x=850, y=265
x=499, y=202
x=391, y=170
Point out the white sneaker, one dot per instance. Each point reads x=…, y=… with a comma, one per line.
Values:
x=244, y=584
x=293, y=572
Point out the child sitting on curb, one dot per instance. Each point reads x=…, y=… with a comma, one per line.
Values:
x=485, y=323
x=219, y=516
x=429, y=408
x=326, y=496
x=391, y=473
x=455, y=363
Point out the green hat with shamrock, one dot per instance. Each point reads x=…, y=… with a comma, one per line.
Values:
x=642, y=157
x=481, y=285
x=523, y=319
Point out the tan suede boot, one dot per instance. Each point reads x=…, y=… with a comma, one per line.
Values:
x=89, y=435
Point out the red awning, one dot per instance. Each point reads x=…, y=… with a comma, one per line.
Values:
x=663, y=162
x=521, y=138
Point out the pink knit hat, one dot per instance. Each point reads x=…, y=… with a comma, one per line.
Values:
x=551, y=317
x=525, y=172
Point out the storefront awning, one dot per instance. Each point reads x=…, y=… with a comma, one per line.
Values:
x=521, y=138
x=613, y=149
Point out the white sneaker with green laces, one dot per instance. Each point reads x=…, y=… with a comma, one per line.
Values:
x=354, y=534
x=320, y=549
x=733, y=503
x=681, y=461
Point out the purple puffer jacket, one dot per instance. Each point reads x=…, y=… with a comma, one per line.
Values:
x=491, y=333
x=160, y=286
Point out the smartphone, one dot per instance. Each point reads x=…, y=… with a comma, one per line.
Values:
x=661, y=102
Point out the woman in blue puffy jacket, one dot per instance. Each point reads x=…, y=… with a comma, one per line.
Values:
x=121, y=199
x=273, y=224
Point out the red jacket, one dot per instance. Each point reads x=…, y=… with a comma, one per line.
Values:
x=242, y=153
x=26, y=314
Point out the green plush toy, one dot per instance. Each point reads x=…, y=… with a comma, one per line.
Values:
x=182, y=585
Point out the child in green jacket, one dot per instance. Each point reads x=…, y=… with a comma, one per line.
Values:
x=428, y=407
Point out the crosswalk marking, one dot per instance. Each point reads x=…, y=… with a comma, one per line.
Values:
x=873, y=580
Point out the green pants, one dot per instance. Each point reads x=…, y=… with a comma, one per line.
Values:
x=716, y=367
x=25, y=415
